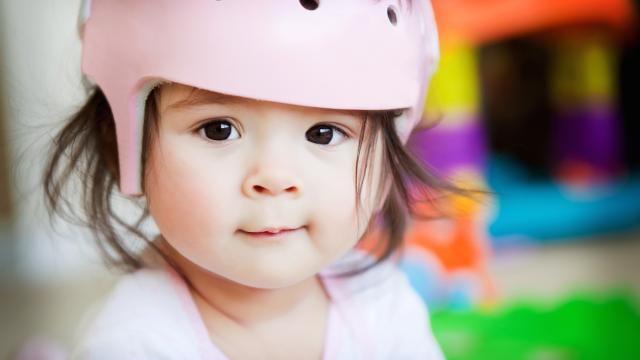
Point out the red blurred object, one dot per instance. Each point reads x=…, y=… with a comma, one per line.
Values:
x=481, y=21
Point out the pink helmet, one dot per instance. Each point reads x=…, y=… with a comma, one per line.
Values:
x=338, y=54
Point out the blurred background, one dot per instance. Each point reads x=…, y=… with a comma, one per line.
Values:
x=535, y=103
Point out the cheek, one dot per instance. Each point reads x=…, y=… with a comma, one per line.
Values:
x=335, y=199
x=186, y=195
x=333, y=205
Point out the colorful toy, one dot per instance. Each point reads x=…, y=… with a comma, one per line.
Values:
x=589, y=192
x=446, y=259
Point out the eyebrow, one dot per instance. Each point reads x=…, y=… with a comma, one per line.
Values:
x=203, y=97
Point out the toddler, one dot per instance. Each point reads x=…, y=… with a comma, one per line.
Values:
x=265, y=138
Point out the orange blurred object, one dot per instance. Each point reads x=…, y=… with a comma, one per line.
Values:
x=456, y=245
x=481, y=21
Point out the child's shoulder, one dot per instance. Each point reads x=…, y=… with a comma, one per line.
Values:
x=142, y=315
x=135, y=295
x=377, y=294
x=379, y=309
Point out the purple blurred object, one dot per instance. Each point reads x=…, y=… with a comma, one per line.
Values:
x=447, y=147
x=588, y=135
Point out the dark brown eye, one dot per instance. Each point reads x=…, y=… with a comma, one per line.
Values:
x=325, y=135
x=219, y=130
x=310, y=4
x=392, y=15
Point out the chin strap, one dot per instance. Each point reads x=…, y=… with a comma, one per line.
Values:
x=83, y=16
x=133, y=186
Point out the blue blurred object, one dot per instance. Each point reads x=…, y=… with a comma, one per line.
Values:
x=459, y=290
x=425, y=280
x=542, y=210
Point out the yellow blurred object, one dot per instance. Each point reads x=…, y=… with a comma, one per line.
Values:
x=583, y=68
x=469, y=179
x=455, y=86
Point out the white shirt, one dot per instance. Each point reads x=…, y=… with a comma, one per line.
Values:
x=151, y=315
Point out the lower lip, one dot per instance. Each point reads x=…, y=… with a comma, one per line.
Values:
x=269, y=235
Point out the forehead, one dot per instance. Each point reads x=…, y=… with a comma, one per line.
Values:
x=178, y=97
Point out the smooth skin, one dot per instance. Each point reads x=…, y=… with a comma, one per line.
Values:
x=253, y=199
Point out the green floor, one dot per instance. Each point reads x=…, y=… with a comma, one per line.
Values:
x=582, y=326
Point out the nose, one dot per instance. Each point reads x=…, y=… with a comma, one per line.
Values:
x=271, y=181
x=268, y=178
x=272, y=165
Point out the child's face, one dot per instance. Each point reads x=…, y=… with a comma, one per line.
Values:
x=225, y=171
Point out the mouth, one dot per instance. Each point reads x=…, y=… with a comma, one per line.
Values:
x=271, y=232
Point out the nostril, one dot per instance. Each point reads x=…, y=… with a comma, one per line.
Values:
x=259, y=189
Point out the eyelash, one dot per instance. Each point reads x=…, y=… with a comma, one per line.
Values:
x=200, y=127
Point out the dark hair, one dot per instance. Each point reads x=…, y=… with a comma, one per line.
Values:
x=87, y=145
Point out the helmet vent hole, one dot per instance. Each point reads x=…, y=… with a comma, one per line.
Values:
x=392, y=15
x=310, y=4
